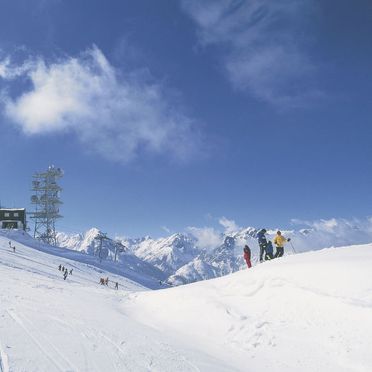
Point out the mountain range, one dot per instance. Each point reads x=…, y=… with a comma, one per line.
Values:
x=177, y=259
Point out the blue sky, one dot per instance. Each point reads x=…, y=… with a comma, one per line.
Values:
x=171, y=114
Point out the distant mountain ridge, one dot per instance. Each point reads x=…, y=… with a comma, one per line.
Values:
x=179, y=257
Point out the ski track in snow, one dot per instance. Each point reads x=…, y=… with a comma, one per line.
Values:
x=4, y=364
x=46, y=346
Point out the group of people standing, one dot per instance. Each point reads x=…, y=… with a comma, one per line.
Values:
x=105, y=281
x=65, y=271
x=266, y=247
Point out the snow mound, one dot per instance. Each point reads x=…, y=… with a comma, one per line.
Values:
x=310, y=312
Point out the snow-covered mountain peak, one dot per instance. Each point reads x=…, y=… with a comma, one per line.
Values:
x=168, y=254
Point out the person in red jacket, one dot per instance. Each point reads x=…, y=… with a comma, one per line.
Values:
x=247, y=256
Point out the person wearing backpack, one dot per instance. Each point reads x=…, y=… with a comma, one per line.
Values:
x=279, y=242
x=247, y=256
x=262, y=242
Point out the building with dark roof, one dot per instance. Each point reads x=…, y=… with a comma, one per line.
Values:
x=13, y=218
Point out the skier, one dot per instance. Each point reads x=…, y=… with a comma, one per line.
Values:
x=65, y=275
x=279, y=242
x=269, y=255
x=60, y=267
x=106, y=281
x=63, y=268
x=14, y=248
x=116, y=285
x=71, y=272
x=262, y=242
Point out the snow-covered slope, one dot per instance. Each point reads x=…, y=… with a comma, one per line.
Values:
x=128, y=265
x=307, y=312
x=310, y=312
x=48, y=324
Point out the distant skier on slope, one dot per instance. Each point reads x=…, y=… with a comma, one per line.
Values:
x=262, y=242
x=60, y=267
x=65, y=275
x=247, y=256
x=116, y=285
x=279, y=242
x=71, y=272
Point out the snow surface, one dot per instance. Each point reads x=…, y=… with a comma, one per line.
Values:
x=306, y=312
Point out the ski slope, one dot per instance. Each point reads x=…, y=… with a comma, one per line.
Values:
x=309, y=312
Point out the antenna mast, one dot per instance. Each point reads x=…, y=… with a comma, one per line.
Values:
x=47, y=200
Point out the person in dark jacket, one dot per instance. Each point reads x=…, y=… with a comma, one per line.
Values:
x=247, y=256
x=262, y=242
x=269, y=255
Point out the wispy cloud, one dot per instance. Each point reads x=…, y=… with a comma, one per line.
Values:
x=333, y=232
x=210, y=237
x=166, y=229
x=261, y=50
x=115, y=115
x=229, y=225
x=207, y=237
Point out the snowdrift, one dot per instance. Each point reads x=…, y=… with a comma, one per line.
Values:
x=310, y=312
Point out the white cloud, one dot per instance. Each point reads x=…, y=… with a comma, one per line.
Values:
x=10, y=72
x=333, y=232
x=229, y=225
x=207, y=237
x=260, y=43
x=114, y=115
x=166, y=229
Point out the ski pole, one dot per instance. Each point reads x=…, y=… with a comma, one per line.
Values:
x=294, y=251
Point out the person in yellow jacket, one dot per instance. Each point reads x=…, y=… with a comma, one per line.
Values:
x=279, y=242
